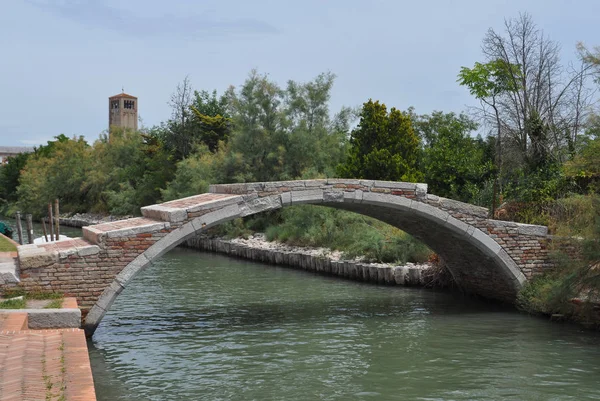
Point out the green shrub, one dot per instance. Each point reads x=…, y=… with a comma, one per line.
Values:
x=351, y=233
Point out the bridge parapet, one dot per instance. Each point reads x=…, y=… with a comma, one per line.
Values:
x=354, y=189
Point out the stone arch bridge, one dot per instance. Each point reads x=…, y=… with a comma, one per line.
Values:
x=486, y=257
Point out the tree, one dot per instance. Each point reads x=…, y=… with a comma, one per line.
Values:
x=590, y=57
x=57, y=170
x=211, y=122
x=257, y=143
x=281, y=134
x=542, y=89
x=487, y=82
x=455, y=164
x=176, y=131
x=585, y=166
x=383, y=146
x=10, y=173
x=127, y=172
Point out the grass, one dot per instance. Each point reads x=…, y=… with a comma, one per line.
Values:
x=56, y=299
x=13, y=304
x=54, y=304
x=6, y=245
x=35, y=294
x=316, y=226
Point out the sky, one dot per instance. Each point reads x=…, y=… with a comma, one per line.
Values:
x=60, y=60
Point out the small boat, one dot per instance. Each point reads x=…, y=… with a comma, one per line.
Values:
x=5, y=229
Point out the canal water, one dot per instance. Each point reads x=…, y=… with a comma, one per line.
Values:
x=198, y=326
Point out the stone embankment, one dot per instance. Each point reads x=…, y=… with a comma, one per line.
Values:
x=318, y=260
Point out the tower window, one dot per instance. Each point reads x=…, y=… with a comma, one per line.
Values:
x=114, y=104
x=128, y=104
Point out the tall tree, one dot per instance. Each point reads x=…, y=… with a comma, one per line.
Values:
x=545, y=89
x=10, y=174
x=177, y=131
x=455, y=164
x=384, y=146
x=487, y=82
x=285, y=133
x=57, y=170
x=211, y=121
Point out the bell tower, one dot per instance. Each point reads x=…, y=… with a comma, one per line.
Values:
x=123, y=111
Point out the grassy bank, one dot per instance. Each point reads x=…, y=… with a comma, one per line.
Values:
x=572, y=288
x=317, y=226
x=6, y=245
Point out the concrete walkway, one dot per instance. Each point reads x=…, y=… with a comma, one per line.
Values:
x=45, y=365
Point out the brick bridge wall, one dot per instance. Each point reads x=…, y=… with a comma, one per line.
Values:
x=487, y=257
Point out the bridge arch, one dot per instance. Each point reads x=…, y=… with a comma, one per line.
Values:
x=459, y=233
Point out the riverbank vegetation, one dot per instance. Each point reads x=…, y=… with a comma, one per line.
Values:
x=529, y=152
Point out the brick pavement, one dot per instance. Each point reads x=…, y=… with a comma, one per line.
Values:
x=45, y=365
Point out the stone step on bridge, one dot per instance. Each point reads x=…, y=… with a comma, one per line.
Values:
x=486, y=257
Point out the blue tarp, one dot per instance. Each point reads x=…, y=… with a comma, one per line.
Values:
x=6, y=229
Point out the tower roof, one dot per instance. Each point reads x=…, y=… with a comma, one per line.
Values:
x=123, y=95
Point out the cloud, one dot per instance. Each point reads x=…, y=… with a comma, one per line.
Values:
x=97, y=13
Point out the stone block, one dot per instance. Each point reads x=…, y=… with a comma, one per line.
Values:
x=395, y=185
x=485, y=243
x=92, y=235
x=260, y=205
x=92, y=320
x=333, y=196
x=400, y=273
x=216, y=217
x=464, y=208
x=432, y=198
x=109, y=295
x=533, y=230
x=88, y=250
x=430, y=212
x=307, y=196
x=129, y=272
x=164, y=213
x=286, y=198
x=457, y=226
x=53, y=318
x=133, y=231
x=510, y=269
x=377, y=199
x=34, y=259
x=314, y=183
x=373, y=273
x=421, y=190
x=214, y=204
x=413, y=276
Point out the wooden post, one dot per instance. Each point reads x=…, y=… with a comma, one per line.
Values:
x=19, y=228
x=51, y=221
x=44, y=228
x=29, y=228
x=56, y=216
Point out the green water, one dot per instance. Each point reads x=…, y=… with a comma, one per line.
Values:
x=197, y=326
